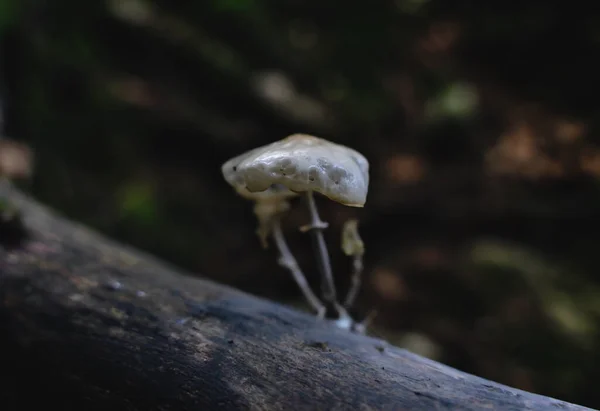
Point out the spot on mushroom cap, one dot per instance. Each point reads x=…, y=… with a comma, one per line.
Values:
x=302, y=163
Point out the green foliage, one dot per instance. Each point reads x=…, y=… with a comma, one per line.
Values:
x=137, y=203
x=8, y=14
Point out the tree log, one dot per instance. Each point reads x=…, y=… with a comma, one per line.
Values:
x=87, y=323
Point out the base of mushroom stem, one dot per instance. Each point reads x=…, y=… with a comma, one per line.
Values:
x=347, y=323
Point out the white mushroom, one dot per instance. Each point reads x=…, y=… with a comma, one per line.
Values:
x=353, y=246
x=269, y=206
x=303, y=163
x=306, y=164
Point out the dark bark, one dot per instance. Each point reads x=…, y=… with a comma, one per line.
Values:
x=90, y=324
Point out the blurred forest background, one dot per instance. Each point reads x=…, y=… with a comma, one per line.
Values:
x=479, y=119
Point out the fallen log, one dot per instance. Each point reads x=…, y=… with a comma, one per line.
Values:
x=86, y=323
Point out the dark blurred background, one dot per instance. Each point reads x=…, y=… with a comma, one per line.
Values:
x=479, y=120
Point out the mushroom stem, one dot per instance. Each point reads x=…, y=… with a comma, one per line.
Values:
x=316, y=228
x=287, y=260
x=357, y=269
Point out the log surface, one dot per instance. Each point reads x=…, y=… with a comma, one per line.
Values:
x=86, y=323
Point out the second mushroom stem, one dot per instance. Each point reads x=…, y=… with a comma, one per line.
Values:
x=316, y=228
x=287, y=260
x=357, y=269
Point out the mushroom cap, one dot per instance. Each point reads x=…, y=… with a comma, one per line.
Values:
x=301, y=163
x=275, y=192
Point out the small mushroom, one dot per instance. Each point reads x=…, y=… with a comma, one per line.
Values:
x=303, y=163
x=269, y=206
x=353, y=246
x=306, y=164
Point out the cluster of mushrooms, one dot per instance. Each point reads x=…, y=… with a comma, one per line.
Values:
x=301, y=164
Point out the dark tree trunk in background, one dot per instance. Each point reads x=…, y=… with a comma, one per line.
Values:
x=90, y=324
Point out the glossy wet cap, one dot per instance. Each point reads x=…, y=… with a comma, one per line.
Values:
x=302, y=163
x=273, y=193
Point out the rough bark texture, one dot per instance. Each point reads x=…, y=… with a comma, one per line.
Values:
x=91, y=324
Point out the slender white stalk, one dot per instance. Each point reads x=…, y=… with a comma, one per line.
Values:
x=357, y=269
x=316, y=228
x=287, y=260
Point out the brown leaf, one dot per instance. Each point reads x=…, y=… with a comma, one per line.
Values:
x=16, y=160
x=405, y=169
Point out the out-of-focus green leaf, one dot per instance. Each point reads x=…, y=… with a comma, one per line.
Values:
x=458, y=100
x=8, y=13
x=138, y=203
